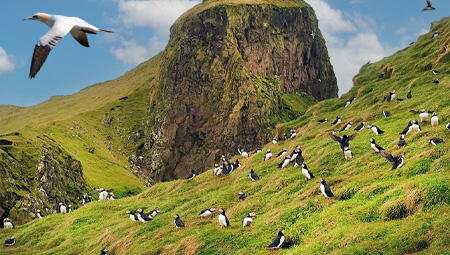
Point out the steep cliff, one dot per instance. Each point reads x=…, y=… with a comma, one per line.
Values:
x=37, y=174
x=232, y=70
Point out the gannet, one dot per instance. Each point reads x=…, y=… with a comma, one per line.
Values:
x=60, y=26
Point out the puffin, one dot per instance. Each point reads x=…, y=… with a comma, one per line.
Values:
x=423, y=115
x=435, y=141
x=407, y=129
x=325, y=189
x=69, y=209
x=436, y=81
x=247, y=221
x=284, y=151
x=343, y=141
x=401, y=142
x=444, y=50
x=274, y=141
x=242, y=195
x=268, y=155
x=299, y=159
x=7, y=224
x=62, y=208
x=337, y=121
x=217, y=170
x=386, y=114
x=143, y=217
x=428, y=7
x=285, y=162
x=397, y=161
x=293, y=134
x=178, y=222
x=409, y=95
x=415, y=126
x=277, y=241
x=321, y=121
x=111, y=196
x=375, y=129
x=205, y=213
x=103, y=194
x=436, y=72
x=360, y=126
x=305, y=171
x=191, y=175
x=253, y=176
x=349, y=101
x=346, y=127
x=223, y=220
x=448, y=126
x=104, y=251
x=133, y=216
x=391, y=96
x=434, y=120
x=377, y=148
x=155, y=212
x=244, y=154
x=381, y=75
x=38, y=214
x=239, y=150
x=348, y=153
x=435, y=35
x=295, y=153
x=11, y=241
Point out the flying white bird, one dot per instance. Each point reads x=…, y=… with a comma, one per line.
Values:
x=60, y=27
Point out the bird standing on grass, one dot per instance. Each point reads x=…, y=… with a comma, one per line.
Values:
x=277, y=241
x=435, y=141
x=178, y=222
x=397, y=161
x=7, y=224
x=377, y=148
x=223, y=220
x=11, y=241
x=325, y=189
x=205, y=213
x=253, y=176
x=242, y=195
x=401, y=142
x=60, y=27
x=247, y=221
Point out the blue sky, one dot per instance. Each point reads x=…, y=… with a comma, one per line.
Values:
x=356, y=31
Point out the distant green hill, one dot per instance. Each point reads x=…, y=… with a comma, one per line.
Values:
x=376, y=210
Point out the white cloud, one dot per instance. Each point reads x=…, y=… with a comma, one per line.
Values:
x=158, y=14
x=6, y=62
x=132, y=52
x=330, y=20
x=351, y=41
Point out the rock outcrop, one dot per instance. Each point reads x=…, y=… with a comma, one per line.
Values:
x=34, y=178
x=228, y=66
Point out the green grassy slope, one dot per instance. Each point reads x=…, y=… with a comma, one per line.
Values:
x=376, y=210
x=75, y=122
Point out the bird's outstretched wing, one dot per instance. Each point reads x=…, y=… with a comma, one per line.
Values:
x=336, y=138
x=387, y=155
x=45, y=44
x=428, y=3
x=352, y=137
x=80, y=36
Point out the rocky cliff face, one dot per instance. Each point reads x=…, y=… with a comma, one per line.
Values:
x=227, y=69
x=37, y=175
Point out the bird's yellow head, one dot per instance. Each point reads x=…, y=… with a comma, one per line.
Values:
x=42, y=17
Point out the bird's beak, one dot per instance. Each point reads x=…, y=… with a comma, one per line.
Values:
x=28, y=18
